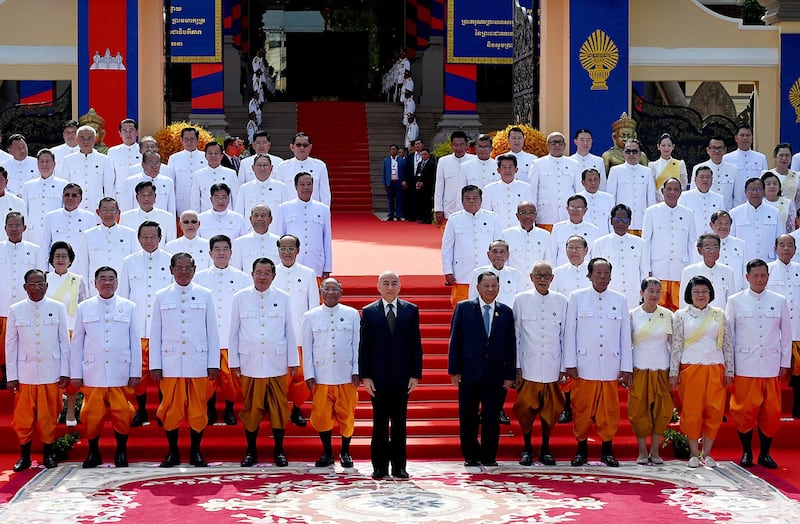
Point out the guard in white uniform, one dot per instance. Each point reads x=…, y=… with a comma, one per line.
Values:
x=300, y=282
x=90, y=169
x=466, y=235
x=597, y=353
x=263, y=189
x=516, y=141
x=585, y=159
x=150, y=171
x=720, y=275
x=106, y=361
x=220, y=219
x=757, y=223
x=725, y=173
x=503, y=197
x=331, y=334
x=482, y=170
x=526, y=242
x=553, y=179
x=190, y=242
x=626, y=253
x=749, y=162
x=310, y=221
x=288, y=170
x=575, y=225
x=633, y=184
x=539, y=320
x=145, y=211
x=184, y=357
x=126, y=153
x=224, y=281
x=262, y=143
x=142, y=274
x=598, y=203
x=572, y=275
x=701, y=200
x=761, y=330
x=257, y=243
x=37, y=351
x=69, y=222
x=20, y=167
x=207, y=177
x=40, y=196
x=182, y=164
x=262, y=348
x=106, y=244
x=450, y=178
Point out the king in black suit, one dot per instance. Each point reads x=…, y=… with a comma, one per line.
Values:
x=483, y=367
x=390, y=365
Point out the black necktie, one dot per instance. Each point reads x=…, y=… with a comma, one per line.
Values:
x=419, y=168
x=391, y=318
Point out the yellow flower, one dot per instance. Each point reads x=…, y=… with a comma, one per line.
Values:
x=535, y=141
x=169, y=139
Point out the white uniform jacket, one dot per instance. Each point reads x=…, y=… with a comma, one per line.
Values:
x=330, y=344
x=540, y=321
x=761, y=332
x=37, y=342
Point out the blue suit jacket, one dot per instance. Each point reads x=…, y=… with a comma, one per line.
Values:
x=475, y=356
x=387, y=170
x=387, y=359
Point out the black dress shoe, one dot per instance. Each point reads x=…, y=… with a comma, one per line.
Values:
x=324, y=461
x=92, y=461
x=229, y=418
x=400, y=474
x=378, y=474
x=197, y=460
x=297, y=418
x=489, y=463
x=504, y=418
x=526, y=459
x=346, y=460
x=767, y=461
x=579, y=460
x=547, y=459
x=121, y=459
x=139, y=419
x=280, y=460
x=172, y=459
x=22, y=464
x=609, y=460
x=472, y=463
x=212, y=417
x=249, y=460
x=747, y=460
x=49, y=460
x=565, y=417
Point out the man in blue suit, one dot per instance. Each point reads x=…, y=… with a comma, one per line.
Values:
x=394, y=170
x=482, y=363
x=390, y=365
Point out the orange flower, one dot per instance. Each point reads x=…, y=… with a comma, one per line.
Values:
x=535, y=141
x=169, y=139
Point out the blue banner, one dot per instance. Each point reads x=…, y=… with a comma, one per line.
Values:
x=599, y=78
x=195, y=31
x=480, y=32
x=790, y=89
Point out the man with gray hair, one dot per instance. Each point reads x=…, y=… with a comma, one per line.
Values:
x=90, y=169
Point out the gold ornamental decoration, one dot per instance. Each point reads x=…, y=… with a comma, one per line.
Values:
x=794, y=98
x=599, y=56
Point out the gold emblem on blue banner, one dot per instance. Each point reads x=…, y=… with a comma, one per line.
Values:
x=599, y=56
x=794, y=98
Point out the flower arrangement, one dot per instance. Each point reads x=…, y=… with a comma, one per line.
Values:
x=169, y=139
x=535, y=141
x=679, y=441
x=63, y=444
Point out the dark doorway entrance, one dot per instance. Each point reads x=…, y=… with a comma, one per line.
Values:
x=327, y=65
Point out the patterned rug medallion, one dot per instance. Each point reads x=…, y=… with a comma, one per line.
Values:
x=436, y=492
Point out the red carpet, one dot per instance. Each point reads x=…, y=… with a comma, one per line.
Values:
x=338, y=134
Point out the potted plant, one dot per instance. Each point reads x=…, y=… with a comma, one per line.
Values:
x=679, y=441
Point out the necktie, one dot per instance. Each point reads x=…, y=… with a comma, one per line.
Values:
x=390, y=318
x=419, y=168
x=487, y=321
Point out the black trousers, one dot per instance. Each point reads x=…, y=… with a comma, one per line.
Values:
x=389, y=404
x=487, y=399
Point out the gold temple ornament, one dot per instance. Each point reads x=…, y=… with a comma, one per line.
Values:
x=599, y=56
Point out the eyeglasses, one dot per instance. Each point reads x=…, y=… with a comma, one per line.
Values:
x=302, y=144
x=576, y=208
x=556, y=142
x=106, y=280
x=717, y=148
x=631, y=151
x=290, y=249
x=620, y=220
x=710, y=249
x=36, y=284
x=575, y=248
x=523, y=213
x=183, y=269
x=701, y=292
x=479, y=146
x=540, y=276
x=754, y=190
x=189, y=221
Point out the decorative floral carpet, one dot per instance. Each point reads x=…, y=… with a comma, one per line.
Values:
x=436, y=492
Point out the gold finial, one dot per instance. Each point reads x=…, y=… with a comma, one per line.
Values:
x=599, y=56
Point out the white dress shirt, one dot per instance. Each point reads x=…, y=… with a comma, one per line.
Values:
x=182, y=164
x=758, y=227
x=15, y=260
x=784, y=279
x=597, y=338
x=465, y=242
x=511, y=283
x=226, y=222
x=539, y=321
x=598, y=209
x=94, y=173
x=635, y=187
x=724, y=180
x=524, y=162
x=525, y=248
x=62, y=150
x=750, y=164
x=270, y=192
x=122, y=156
x=262, y=342
x=731, y=253
x=450, y=179
x=246, y=173
x=19, y=172
x=184, y=341
x=223, y=283
x=286, y=171
x=104, y=246
x=568, y=278
x=669, y=238
x=480, y=173
x=330, y=344
x=553, y=181
x=106, y=351
x=311, y=223
x=703, y=205
x=300, y=282
x=565, y=229
x=761, y=331
x=68, y=226
x=591, y=161
x=133, y=218
x=141, y=276
x=37, y=342
x=251, y=246
x=197, y=247
x=40, y=196
x=721, y=277
x=629, y=261
x=204, y=178
x=165, y=192
x=503, y=199
x=11, y=202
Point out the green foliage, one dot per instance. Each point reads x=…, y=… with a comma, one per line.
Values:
x=752, y=12
x=63, y=444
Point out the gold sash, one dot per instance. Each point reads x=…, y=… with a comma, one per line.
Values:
x=672, y=170
x=69, y=287
x=715, y=315
x=647, y=330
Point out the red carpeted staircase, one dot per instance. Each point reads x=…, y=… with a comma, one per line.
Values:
x=338, y=131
